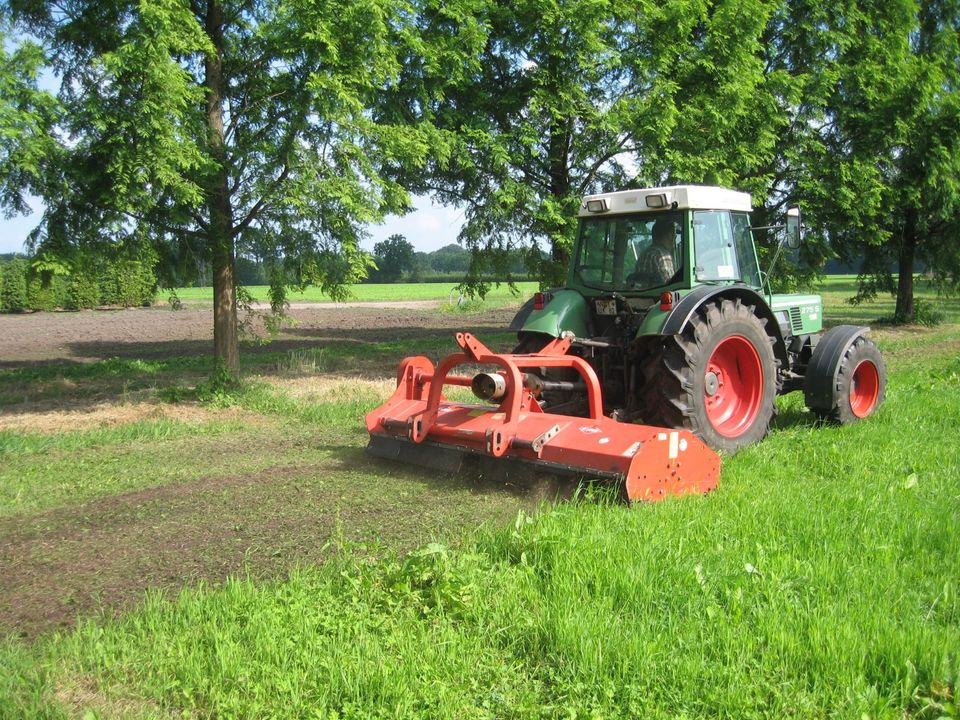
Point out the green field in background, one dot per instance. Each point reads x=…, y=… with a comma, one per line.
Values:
x=384, y=292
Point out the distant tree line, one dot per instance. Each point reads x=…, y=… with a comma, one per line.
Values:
x=398, y=261
x=86, y=281
x=395, y=260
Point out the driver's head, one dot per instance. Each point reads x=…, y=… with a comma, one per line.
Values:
x=664, y=233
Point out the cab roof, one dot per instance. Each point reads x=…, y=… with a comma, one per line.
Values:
x=681, y=197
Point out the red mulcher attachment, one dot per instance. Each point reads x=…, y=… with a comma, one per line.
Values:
x=417, y=425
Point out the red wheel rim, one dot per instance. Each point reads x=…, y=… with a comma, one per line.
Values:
x=864, y=388
x=733, y=388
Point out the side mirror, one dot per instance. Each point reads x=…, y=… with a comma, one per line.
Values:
x=793, y=227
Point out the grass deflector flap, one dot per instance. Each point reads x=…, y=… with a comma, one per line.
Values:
x=419, y=425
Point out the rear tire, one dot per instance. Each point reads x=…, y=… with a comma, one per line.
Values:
x=718, y=378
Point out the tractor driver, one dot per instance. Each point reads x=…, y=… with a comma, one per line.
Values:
x=655, y=266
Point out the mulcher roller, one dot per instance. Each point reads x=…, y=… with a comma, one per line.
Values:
x=419, y=425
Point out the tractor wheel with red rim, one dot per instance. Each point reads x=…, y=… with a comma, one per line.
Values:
x=717, y=379
x=853, y=385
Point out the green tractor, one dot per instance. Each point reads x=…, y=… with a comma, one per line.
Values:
x=666, y=301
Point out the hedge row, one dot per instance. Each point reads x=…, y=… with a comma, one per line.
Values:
x=89, y=284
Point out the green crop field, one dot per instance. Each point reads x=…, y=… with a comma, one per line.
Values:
x=291, y=576
x=374, y=292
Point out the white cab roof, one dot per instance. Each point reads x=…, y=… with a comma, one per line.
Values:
x=695, y=197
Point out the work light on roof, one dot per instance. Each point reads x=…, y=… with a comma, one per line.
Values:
x=598, y=205
x=656, y=201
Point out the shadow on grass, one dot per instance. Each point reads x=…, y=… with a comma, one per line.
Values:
x=526, y=483
x=795, y=418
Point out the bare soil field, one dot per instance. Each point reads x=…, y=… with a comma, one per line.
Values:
x=151, y=333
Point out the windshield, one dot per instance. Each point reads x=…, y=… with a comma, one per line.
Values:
x=630, y=252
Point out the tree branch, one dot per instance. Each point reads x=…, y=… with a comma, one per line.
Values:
x=264, y=200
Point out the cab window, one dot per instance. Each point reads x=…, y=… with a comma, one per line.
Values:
x=715, y=254
x=749, y=271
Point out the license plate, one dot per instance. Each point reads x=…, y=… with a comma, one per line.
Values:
x=606, y=307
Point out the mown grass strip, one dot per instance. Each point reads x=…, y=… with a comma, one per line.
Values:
x=39, y=475
x=14, y=443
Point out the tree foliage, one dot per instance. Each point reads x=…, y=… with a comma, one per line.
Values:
x=889, y=169
x=13, y=289
x=207, y=127
x=577, y=96
x=394, y=256
x=279, y=129
x=27, y=115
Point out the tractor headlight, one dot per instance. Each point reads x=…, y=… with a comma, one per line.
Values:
x=597, y=206
x=656, y=201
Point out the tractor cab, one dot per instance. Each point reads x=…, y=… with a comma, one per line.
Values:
x=640, y=243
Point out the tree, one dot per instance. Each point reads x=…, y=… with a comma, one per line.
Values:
x=13, y=289
x=27, y=115
x=208, y=127
x=450, y=259
x=890, y=161
x=576, y=96
x=394, y=256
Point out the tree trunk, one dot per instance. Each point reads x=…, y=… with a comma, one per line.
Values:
x=225, y=341
x=555, y=272
x=906, y=311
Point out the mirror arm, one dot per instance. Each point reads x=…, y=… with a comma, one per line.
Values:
x=773, y=263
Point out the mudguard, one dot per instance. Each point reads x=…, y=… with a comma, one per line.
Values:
x=566, y=310
x=684, y=310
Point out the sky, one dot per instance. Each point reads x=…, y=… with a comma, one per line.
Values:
x=428, y=227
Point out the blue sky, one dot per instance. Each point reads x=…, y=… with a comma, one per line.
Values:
x=428, y=227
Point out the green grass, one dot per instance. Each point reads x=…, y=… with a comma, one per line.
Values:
x=819, y=580
x=73, y=468
x=14, y=444
x=374, y=292
x=837, y=290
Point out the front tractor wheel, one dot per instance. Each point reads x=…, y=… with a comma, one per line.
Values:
x=846, y=380
x=717, y=379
